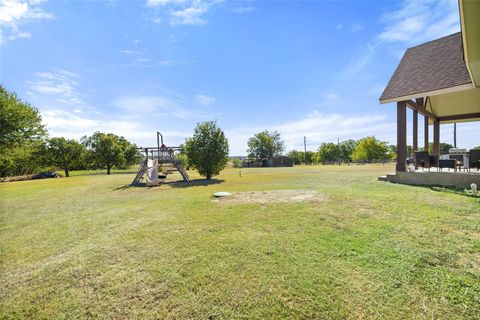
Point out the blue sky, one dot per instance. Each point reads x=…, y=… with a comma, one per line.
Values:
x=304, y=68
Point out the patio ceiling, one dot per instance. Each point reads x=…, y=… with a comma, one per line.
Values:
x=459, y=106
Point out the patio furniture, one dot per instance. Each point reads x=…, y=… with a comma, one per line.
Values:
x=474, y=161
x=459, y=159
x=447, y=163
x=424, y=160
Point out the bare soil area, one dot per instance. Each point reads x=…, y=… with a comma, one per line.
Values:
x=274, y=196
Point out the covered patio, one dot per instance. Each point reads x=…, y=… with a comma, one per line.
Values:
x=440, y=80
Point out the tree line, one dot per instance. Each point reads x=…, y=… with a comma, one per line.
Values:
x=369, y=149
x=26, y=148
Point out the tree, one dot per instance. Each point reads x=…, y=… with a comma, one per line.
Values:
x=392, y=151
x=444, y=148
x=346, y=149
x=207, y=150
x=370, y=149
x=297, y=157
x=327, y=152
x=64, y=153
x=308, y=157
x=236, y=162
x=131, y=153
x=265, y=144
x=108, y=150
x=21, y=135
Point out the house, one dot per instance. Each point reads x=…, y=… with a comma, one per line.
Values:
x=440, y=80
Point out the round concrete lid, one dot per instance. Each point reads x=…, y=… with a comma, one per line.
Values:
x=222, y=194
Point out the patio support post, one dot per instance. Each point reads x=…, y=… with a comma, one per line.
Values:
x=401, y=135
x=436, y=140
x=415, y=134
x=415, y=130
x=425, y=135
x=419, y=101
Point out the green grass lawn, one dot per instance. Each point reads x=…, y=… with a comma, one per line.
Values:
x=87, y=247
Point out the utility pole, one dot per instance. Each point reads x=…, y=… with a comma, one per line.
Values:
x=305, y=149
x=455, y=135
x=338, y=150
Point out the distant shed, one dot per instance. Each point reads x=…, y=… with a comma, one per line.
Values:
x=280, y=161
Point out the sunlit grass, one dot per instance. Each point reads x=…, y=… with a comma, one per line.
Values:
x=89, y=246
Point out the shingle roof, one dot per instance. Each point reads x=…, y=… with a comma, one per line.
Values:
x=428, y=67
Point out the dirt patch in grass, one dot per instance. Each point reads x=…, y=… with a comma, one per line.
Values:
x=274, y=196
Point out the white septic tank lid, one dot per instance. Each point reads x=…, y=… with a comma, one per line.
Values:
x=222, y=194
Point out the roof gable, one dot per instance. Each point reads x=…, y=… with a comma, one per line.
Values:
x=428, y=67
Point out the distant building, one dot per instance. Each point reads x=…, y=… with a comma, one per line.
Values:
x=280, y=161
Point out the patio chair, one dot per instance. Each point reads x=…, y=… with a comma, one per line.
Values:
x=424, y=160
x=474, y=161
x=458, y=160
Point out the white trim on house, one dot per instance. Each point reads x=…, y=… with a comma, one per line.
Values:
x=462, y=87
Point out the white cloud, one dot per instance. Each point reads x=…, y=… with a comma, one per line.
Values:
x=140, y=57
x=414, y=22
x=20, y=35
x=420, y=21
x=359, y=61
x=354, y=27
x=165, y=105
x=146, y=104
x=204, y=100
x=154, y=3
x=182, y=12
x=132, y=51
x=14, y=13
x=189, y=16
x=242, y=10
x=148, y=63
x=61, y=85
x=62, y=123
x=59, y=118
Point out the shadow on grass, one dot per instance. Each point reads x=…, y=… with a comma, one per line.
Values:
x=455, y=190
x=194, y=183
x=175, y=184
x=466, y=192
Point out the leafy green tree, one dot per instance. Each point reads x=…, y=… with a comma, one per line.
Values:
x=346, y=149
x=327, y=152
x=444, y=148
x=265, y=144
x=476, y=148
x=207, y=150
x=308, y=157
x=64, y=153
x=109, y=150
x=131, y=153
x=236, y=162
x=183, y=159
x=392, y=151
x=21, y=135
x=297, y=157
x=370, y=149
